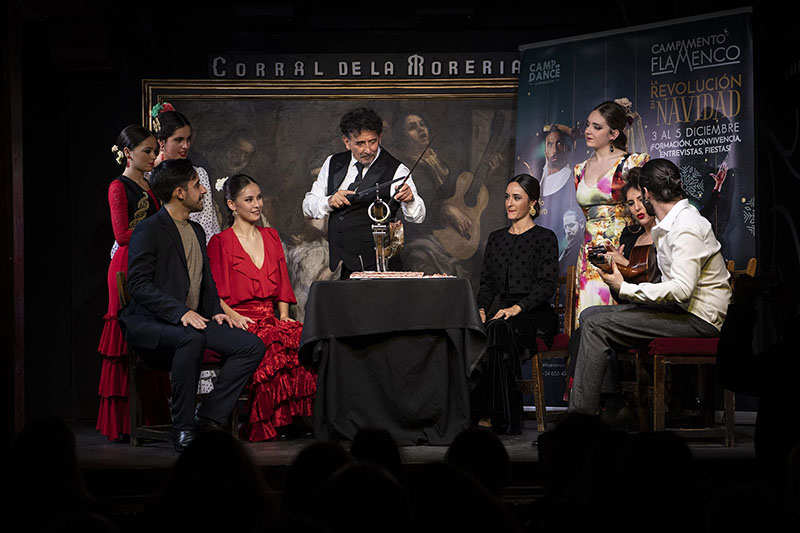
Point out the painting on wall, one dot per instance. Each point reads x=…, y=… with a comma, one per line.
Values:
x=281, y=133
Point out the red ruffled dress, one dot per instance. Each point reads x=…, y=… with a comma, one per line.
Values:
x=129, y=205
x=280, y=387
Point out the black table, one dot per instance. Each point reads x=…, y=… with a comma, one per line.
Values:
x=395, y=354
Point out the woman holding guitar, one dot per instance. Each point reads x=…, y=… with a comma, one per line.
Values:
x=635, y=257
x=636, y=260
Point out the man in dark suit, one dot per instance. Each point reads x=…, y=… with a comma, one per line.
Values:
x=172, y=294
x=364, y=165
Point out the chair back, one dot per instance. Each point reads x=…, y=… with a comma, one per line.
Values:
x=749, y=270
x=122, y=290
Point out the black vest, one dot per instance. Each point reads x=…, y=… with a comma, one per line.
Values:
x=350, y=228
x=140, y=203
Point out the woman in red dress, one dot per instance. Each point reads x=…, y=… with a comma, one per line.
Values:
x=249, y=268
x=131, y=201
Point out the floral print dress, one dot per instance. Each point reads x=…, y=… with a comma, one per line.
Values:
x=605, y=213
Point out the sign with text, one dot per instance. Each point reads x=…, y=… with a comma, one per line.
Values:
x=366, y=67
x=688, y=88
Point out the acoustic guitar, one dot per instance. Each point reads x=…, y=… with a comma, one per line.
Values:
x=637, y=270
x=464, y=246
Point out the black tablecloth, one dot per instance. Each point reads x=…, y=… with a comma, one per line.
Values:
x=395, y=354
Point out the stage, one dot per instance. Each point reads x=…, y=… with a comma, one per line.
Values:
x=125, y=477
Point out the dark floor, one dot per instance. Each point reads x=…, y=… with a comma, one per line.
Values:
x=126, y=477
x=95, y=452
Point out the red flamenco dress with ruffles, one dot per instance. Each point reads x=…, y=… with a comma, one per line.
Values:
x=130, y=204
x=280, y=387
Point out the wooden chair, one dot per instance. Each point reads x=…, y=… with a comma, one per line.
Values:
x=687, y=351
x=163, y=432
x=749, y=270
x=564, y=305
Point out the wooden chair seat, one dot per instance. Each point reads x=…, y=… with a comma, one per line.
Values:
x=138, y=430
x=560, y=343
x=699, y=352
x=683, y=346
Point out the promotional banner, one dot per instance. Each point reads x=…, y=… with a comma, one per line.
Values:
x=688, y=89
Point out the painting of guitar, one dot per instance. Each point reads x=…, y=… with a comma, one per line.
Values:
x=464, y=246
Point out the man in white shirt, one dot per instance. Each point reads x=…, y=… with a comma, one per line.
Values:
x=690, y=301
x=365, y=164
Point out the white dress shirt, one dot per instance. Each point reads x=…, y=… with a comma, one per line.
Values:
x=315, y=203
x=693, y=271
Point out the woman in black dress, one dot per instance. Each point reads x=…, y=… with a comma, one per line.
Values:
x=520, y=270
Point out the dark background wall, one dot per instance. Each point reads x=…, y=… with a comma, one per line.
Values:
x=82, y=64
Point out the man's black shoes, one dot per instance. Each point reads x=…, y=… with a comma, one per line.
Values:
x=182, y=439
x=206, y=424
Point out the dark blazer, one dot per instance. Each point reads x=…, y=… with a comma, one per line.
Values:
x=158, y=280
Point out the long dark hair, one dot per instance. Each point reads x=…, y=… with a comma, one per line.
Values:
x=232, y=188
x=617, y=119
x=531, y=187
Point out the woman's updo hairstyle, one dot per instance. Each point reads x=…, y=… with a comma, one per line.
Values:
x=531, y=187
x=232, y=188
x=130, y=137
x=617, y=119
x=166, y=120
x=662, y=179
x=632, y=181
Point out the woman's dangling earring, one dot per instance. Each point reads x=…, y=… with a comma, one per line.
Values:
x=612, y=147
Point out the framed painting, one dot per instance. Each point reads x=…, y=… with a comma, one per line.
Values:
x=280, y=133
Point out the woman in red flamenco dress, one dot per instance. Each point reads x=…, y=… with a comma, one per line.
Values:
x=249, y=269
x=131, y=201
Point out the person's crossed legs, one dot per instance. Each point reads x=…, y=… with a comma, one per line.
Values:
x=623, y=327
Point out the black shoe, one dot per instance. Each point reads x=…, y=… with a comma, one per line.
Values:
x=623, y=418
x=182, y=439
x=206, y=424
x=305, y=434
x=284, y=433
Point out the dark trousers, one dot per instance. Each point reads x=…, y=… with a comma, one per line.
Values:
x=621, y=327
x=241, y=353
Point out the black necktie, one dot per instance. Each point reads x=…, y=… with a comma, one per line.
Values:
x=359, y=176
